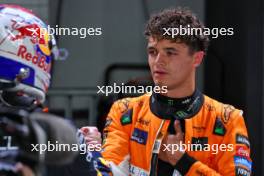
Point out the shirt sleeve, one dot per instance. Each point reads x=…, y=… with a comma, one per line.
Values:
x=115, y=147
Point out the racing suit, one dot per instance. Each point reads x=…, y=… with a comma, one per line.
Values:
x=135, y=128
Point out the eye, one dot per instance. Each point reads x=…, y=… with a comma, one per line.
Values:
x=152, y=52
x=170, y=53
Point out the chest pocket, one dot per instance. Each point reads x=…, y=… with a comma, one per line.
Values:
x=205, y=134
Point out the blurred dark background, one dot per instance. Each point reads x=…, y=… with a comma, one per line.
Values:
x=232, y=71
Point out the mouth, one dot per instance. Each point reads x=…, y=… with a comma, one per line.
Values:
x=160, y=72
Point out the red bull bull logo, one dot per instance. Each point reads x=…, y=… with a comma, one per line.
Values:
x=39, y=37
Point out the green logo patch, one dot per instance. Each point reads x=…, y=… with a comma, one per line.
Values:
x=219, y=131
x=219, y=128
x=127, y=117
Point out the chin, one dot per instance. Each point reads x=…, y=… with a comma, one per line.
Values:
x=159, y=83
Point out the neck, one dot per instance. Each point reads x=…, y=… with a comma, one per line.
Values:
x=182, y=91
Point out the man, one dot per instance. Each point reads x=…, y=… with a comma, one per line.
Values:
x=181, y=132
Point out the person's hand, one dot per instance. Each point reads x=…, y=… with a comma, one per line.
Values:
x=168, y=153
x=91, y=135
x=24, y=170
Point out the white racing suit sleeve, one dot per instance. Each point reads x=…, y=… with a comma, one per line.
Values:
x=122, y=169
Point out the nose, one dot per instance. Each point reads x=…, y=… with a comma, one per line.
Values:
x=160, y=59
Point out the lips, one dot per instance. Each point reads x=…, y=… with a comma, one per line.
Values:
x=160, y=72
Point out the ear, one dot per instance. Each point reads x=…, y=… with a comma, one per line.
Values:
x=198, y=58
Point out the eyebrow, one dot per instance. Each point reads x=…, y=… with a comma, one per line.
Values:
x=171, y=49
x=151, y=47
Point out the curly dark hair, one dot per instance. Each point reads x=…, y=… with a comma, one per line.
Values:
x=174, y=18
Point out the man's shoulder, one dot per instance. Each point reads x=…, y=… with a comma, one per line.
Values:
x=222, y=110
x=131, y=102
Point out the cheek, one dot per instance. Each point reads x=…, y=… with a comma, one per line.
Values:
x=181, y=68
x=150, y=62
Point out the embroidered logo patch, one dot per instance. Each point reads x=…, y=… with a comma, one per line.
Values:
x=127, y=117
x=241, y=139
x=241, y=161
x=139, y=136
x=219, y=128
x=240, y=171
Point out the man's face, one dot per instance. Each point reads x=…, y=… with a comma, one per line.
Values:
x=171, y=63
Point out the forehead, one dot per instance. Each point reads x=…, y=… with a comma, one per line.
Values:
x=154, y=42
